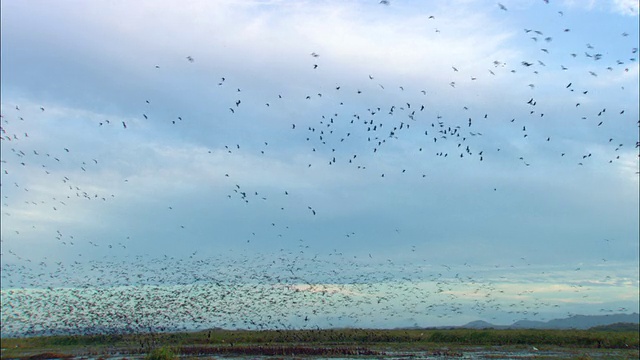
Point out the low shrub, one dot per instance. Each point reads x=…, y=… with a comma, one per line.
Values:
x=162, y=353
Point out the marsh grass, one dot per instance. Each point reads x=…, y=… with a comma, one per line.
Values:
x=161, y=353
x=336, y=342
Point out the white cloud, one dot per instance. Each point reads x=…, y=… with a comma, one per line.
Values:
x=626, y=7
x=540, y=211
x=622, y=7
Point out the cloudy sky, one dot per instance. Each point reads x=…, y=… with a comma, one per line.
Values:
x=430, y=141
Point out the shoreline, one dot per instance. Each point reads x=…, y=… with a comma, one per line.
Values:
x=352, y=343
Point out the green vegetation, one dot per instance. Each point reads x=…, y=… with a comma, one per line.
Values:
x=567, y=338
x=337, y=342
x=162, y=353
x=620, y=327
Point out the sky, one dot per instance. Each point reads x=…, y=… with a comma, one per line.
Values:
x=481, y=157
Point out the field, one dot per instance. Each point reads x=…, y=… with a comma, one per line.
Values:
x=416, y=343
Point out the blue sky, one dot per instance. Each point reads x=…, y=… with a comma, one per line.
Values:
x=424, y=138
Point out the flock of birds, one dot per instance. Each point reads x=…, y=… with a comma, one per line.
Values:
x=292, y=287
x=288, y=289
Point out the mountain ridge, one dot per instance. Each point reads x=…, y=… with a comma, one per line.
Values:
x=579, y=322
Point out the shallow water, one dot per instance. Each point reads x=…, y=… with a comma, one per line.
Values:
x=434, y=355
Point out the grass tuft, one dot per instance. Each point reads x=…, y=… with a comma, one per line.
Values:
x=162, y=353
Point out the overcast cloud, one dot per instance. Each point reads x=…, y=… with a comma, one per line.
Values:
x=456, y=138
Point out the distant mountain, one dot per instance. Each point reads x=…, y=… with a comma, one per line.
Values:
x=581, y=322
x=479, y=324
x=585, y=322
x=529, y=324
